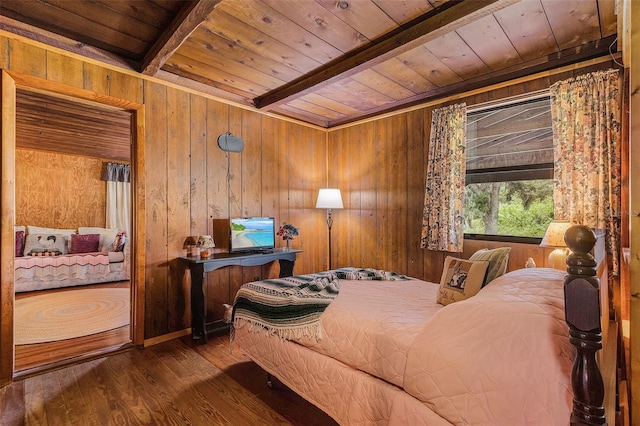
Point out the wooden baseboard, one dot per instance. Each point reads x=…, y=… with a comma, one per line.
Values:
x=167, y=337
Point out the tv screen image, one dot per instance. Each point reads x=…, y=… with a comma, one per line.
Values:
x=252, y=233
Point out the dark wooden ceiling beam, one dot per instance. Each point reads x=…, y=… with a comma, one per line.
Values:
x=436, y=23
x=574, y=55
x=64, y=43
x=185, y=23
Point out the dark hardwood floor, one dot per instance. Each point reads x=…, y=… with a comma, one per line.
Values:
x=178, y=382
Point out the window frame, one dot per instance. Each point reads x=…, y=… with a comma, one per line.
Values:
x=537, y=171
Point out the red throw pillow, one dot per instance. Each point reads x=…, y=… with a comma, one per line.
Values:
x=85, y=243
x=19, y=243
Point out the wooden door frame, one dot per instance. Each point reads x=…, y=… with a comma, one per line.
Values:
x=10, y=83
x=7, y=236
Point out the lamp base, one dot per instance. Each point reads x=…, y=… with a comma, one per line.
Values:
x=558, y=259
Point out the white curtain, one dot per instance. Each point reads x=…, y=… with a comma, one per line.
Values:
x=118, y=196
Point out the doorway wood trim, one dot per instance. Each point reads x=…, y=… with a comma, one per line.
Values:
x=7, y=236
x=12, y=81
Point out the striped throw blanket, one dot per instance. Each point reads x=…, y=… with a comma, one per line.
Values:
x=291, y=307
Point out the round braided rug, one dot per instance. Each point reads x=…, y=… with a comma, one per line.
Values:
x=68, y=314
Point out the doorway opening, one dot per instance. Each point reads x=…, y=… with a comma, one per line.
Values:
x=62, y=148
x=74, y=126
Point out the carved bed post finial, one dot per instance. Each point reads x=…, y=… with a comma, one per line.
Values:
x=582, y=313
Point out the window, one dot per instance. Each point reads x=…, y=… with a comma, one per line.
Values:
x=509, y=180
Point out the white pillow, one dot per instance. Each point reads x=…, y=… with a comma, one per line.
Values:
x=17, y=228
x=107, y=236
x=41, y=230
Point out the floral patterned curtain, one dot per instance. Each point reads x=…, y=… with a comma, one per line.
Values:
x=586, y=118
x=443, y=214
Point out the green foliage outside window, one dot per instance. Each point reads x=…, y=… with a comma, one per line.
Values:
x=517, y=208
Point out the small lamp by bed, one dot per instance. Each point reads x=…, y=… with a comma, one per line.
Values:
x=329, y=198
x=554, y=237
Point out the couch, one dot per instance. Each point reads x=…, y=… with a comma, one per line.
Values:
x=48, y=258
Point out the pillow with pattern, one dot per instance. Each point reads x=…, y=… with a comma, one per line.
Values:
x=45, y=244
x=461, y=279
x=119, y=242
x=52, y=231
x=498, y=259
x=85, y=243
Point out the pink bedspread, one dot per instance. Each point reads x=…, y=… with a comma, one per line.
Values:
x=502, y=357
x=372, y=324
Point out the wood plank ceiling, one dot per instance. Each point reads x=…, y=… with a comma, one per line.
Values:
x=325, y=62
x=54, y=124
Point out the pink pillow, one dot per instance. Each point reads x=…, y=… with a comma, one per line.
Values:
x=19, y=243
x=85, y=243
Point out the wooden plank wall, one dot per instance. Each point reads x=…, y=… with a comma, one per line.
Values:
x=380, y=167
x=203, y=183
x=59, y=191
x=278, y=174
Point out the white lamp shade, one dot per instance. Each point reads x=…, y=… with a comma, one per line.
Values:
x=329, y=198
x=554, y=237
x=205, y=242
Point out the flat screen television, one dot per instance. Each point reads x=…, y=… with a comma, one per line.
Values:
x=252, y=234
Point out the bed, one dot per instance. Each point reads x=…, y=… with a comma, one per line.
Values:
x=381, y=350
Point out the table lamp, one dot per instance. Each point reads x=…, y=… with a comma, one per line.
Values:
x=206, y=245
x=329, y=198
x=554, y=237
x=190, y=245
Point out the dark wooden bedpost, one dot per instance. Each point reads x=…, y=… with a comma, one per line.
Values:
x=582, y=313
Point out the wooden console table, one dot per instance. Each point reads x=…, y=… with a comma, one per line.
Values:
x=199, y=267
